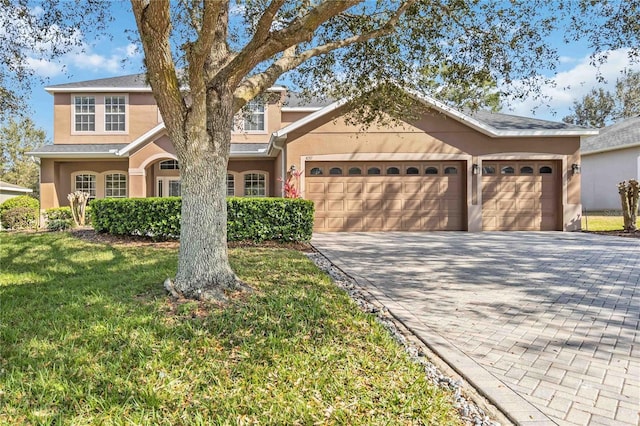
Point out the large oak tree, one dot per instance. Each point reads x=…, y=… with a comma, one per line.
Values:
x=206, y=59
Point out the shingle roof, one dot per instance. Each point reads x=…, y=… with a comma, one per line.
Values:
x=246, y=148
x=512, y=122
x=138, y=81
x=296, y=100
x=80, y=148
x=619, y=135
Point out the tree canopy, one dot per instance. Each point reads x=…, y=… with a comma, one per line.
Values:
x=600, y=107
x=17, y=138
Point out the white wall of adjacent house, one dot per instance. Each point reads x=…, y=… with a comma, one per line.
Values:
x=601, y=173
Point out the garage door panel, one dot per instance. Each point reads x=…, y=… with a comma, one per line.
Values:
x=355, y=205
x=388, y=202
x=354, y=188
x=335, y=187
x=373, y=187
x=520, y=201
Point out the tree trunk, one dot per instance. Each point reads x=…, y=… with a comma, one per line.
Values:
x=204, y=271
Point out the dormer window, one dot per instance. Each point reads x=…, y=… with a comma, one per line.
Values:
x=85, y=113
x=254, y=116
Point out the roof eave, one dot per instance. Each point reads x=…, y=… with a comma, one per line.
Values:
x=10, y=189
x=612, y=148
x=53, y=90
x=82, y=155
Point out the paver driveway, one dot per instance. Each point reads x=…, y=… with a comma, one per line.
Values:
x=546, y=324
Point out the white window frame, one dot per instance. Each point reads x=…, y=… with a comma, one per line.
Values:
x=171, y=165
x=99, y=114
x=74, y=183
x=163, y=185
x=126, y=184
x=118, y=113
x=254, y=172
x=83, y=113
x=235, y=183
x=249, y=111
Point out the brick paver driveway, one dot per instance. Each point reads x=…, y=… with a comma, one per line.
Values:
x=545, y=324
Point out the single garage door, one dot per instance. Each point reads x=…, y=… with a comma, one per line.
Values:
x=386, y=196
x=520, y=196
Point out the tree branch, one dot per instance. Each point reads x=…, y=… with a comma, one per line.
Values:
x=301, y=29
x=256, y=84
x=154, y=25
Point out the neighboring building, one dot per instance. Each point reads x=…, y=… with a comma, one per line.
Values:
x=9, y=190
x=447, y=171
x=608, y=159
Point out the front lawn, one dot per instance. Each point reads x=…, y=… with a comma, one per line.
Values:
x=88, y=336
x=603, y=221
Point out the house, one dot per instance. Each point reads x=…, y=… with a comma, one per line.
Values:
x=609, y=158
x=448, y=170
x=9, y=190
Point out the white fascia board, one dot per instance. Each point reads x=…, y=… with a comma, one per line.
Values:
x=110, y=154
x=142, y=139
x=308, y=119
x=301, y=109
x=97, y=89
x=613, y=148
x=11, y=189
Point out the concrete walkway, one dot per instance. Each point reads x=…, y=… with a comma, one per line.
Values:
x=546, y=325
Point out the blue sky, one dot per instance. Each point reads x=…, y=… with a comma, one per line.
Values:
x=101, y=58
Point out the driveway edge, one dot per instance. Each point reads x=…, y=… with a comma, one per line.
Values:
x=506, y=401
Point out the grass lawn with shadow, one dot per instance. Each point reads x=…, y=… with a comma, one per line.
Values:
x=88, y=336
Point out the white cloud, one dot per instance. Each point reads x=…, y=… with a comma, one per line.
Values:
x=556, y=96
x=44, y=68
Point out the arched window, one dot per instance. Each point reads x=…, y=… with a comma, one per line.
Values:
x=526, y=170
x=413, y=171
x=255, y=184
x=115, y=185
x=231, y=185
x=169, y=165
x=373, y=171
x=316, y=171
x=488, y=170
x=335, y=171
x=355, y=171
x=431, y=171
x=545, y=170
x=85, y=182
x=450, y=170
x=507, y=170
x=393, y=171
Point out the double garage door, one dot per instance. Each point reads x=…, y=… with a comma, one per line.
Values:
x=387, y=196
x=431, y=195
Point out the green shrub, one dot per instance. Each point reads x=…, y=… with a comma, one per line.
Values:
x=18, y=218
x=265, y=219
x=20, y=201
x=256, y=219
x=56, y=213
x=59, y=224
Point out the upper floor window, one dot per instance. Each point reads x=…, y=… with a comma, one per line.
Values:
x=169, y=165
x=254, y=113
x=85, y=113
x=114, y=113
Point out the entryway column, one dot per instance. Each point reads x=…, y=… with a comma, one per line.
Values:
x=137, y=183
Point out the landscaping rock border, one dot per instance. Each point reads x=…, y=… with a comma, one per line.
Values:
x=470, y=411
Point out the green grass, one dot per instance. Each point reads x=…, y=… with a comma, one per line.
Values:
x=603, y=221
x=87, y=336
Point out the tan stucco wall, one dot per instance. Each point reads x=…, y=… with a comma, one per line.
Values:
x=438, y=137
x=142, y=115
x=601, y=174
x=56, y=178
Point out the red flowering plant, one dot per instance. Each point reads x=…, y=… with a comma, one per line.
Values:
x=292, y=183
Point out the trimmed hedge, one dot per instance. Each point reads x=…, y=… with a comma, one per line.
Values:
x=254, y=219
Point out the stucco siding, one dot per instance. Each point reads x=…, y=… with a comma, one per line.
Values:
x=601, y=173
